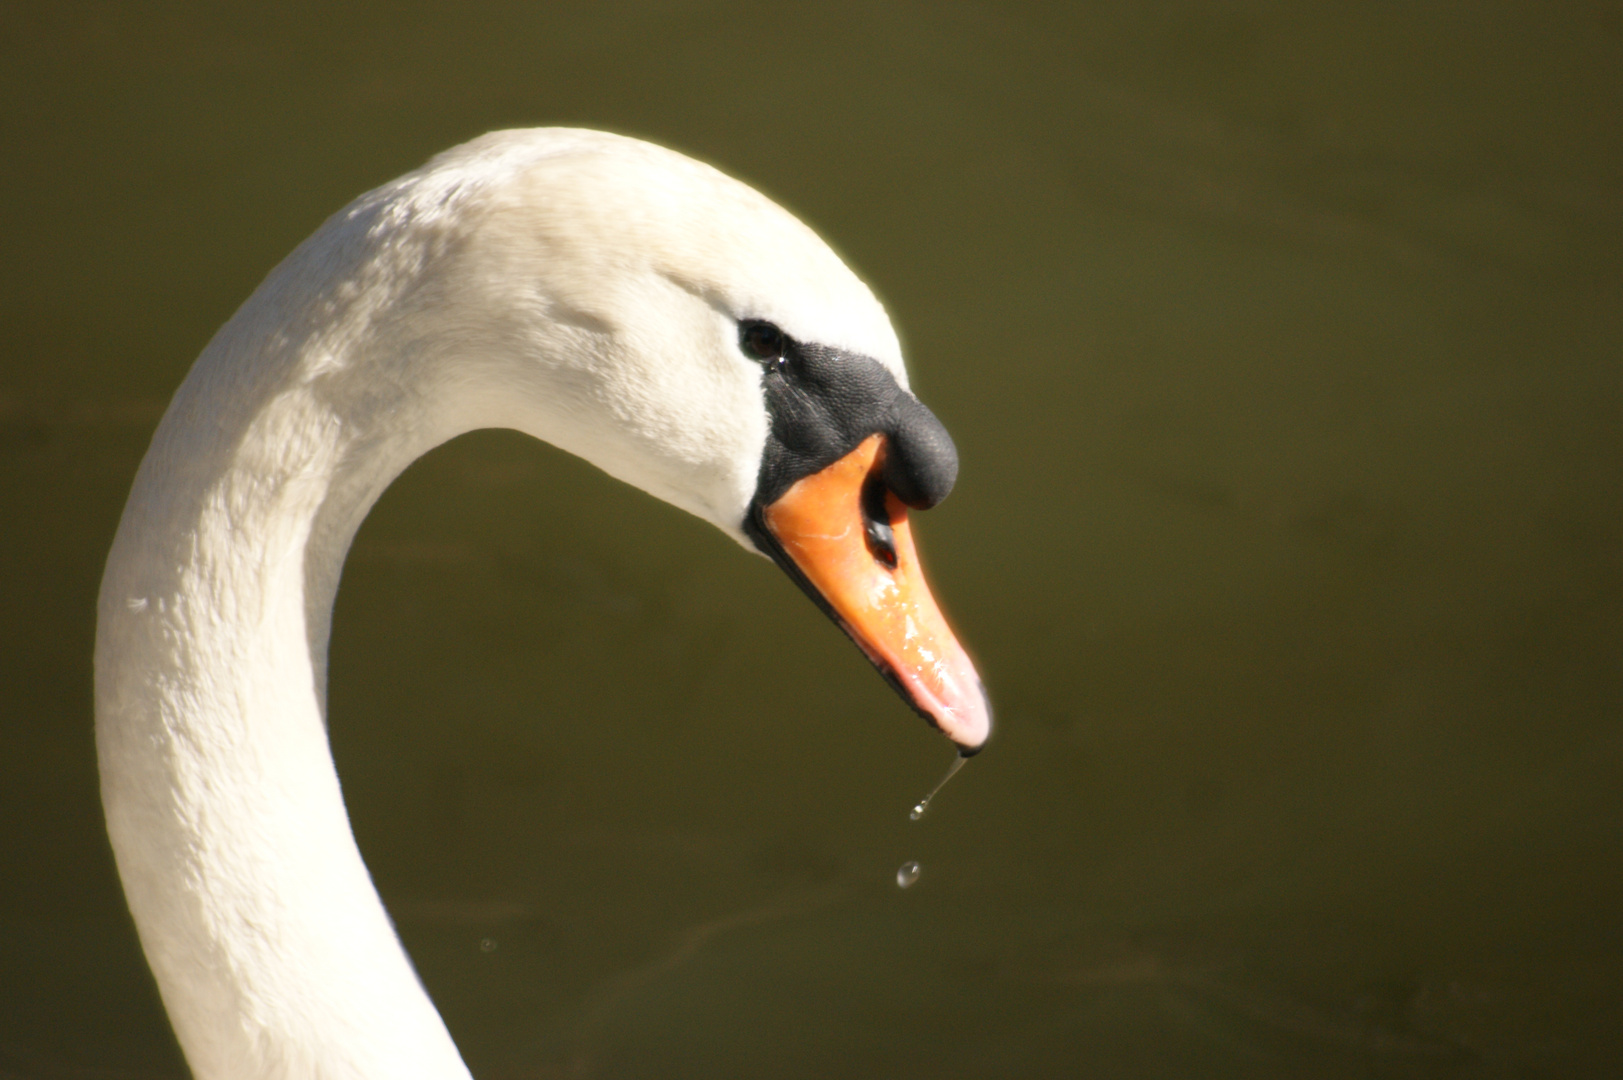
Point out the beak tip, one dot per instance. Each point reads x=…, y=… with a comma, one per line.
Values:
x=972, y=738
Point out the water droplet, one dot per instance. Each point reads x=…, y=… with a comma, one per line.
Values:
x=907, y=875
x=487, y=944
x=924, y=803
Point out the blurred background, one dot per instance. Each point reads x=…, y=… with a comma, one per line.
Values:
x=1281, y=343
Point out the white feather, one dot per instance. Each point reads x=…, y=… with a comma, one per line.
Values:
x=581, y=287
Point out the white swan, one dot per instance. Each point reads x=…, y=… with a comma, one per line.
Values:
x=618, y=300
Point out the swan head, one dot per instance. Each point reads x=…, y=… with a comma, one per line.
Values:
x=687, y=335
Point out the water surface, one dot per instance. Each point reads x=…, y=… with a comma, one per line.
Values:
x=1282, y=352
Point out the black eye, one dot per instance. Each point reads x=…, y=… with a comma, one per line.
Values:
x=761, y=340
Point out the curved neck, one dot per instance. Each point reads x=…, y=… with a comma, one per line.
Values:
x=270, y=946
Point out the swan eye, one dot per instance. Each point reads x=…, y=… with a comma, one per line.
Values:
x=762, y=341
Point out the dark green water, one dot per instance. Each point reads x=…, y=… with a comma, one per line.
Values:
x=1282, y=345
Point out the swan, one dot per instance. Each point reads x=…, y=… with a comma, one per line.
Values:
x=614, y=298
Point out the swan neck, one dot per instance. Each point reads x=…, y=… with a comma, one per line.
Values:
x=271, y=948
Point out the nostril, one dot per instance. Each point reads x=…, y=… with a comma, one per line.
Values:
x=882, y=543
x=876, y=521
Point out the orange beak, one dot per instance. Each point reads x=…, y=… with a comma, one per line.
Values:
x=849, y=539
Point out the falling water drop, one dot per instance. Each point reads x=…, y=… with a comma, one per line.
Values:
x=487, y=944
x=924, y=803
x=907, y=875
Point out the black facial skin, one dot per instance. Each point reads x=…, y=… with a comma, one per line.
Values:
x=822, y=404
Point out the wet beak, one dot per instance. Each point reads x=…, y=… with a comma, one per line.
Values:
x=845, y=538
